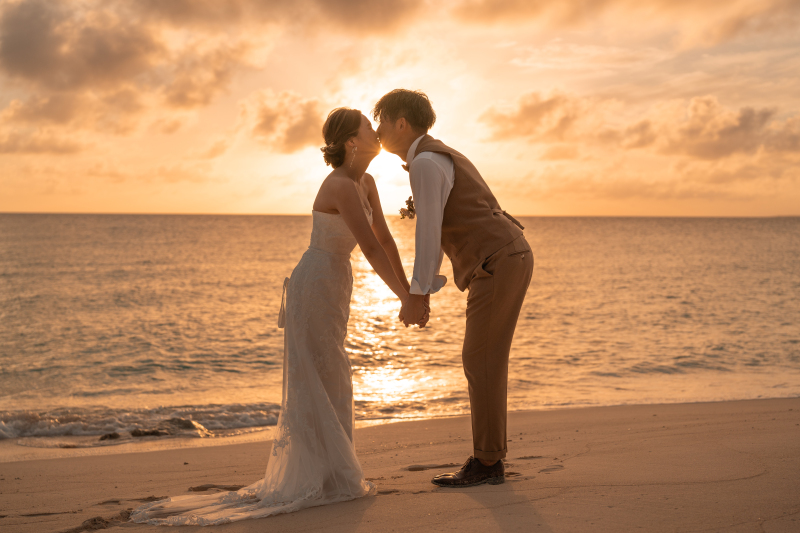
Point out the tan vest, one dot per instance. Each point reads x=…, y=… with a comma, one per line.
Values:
x=474, y=226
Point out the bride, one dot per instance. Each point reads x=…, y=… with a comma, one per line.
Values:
x=313, y=459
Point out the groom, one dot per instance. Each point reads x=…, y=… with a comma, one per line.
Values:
x=458, y=215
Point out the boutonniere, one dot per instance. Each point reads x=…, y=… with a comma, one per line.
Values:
x=409, y=212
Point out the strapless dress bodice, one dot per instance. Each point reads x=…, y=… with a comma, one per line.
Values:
x=330, y=234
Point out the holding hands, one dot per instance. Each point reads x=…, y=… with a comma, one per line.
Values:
x=416, y=310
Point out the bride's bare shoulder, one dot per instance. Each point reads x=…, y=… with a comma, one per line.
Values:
x=333, y=189
x=337, y=183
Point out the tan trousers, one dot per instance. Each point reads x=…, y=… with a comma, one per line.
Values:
x=496, y=292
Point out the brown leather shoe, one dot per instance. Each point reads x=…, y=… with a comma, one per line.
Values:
x=472, y=473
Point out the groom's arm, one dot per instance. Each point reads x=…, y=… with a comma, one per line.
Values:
x=430, y=186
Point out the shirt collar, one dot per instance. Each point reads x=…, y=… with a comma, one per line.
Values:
x=413, y=149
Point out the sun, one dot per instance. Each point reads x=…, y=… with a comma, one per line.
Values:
x=391, y=180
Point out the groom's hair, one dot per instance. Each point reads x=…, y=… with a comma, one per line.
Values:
x=414, y=106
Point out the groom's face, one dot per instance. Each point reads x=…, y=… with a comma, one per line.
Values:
x=389, y=134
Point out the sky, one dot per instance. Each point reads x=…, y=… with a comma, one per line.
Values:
x=567, y=107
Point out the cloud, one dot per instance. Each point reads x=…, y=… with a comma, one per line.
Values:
x=785, y=137
x=639, y=135
x=711, y=131
x=60, y=108
x=361, y=16
x=544, y=119
x=708, y=22
x=703, y=128
x=59, y=48
x=167, y=126
x=37, y=143
x=216, y=149
x=619, y=181
x=102, y=65
x=286, y=122
x=558, y=55
x=114, y=112
x=200, y=77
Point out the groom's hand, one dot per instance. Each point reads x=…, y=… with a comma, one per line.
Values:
x=427, y=316
x=413, y=310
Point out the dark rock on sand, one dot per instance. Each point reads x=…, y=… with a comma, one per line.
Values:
x=148, y=433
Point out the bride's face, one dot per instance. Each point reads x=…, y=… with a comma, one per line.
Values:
x=367, y=139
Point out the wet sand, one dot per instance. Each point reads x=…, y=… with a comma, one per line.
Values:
x=728, y=466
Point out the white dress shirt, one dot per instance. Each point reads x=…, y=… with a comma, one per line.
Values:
x=431, y=176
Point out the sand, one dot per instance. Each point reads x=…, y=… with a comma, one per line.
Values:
x=728, y=466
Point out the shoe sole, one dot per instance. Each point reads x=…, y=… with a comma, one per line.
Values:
x=491, y=481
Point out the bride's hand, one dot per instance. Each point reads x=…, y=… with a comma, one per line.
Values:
x=400, y=316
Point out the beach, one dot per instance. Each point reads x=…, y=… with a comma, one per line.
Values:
x=720, y=466
x=142, y=358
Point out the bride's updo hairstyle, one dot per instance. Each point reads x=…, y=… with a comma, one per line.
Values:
x=342, y=124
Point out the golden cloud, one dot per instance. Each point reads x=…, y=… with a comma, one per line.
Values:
x=711, y=131
x=53, y=47
x=216, y=149
x=361, y=16
x=703, y=128
x=199, y=77
x=707, y=22
x=537, y=117
x=101, y=66
x=286, y=122
x=112, y=112
x=40, y=142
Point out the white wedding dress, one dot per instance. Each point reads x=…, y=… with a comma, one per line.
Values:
x=313, y=459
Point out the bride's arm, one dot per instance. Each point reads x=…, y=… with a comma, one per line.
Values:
x=349, y=205
x=382, y=232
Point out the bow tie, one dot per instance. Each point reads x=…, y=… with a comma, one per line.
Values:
x=405, y=167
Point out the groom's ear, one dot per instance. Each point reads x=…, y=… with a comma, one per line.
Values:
x=402, y=124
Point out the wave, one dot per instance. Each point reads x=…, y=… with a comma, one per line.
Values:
x=117, y=425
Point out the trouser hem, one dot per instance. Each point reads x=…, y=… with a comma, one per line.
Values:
x=490, y=456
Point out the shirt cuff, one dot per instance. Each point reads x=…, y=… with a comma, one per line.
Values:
x=436, y=285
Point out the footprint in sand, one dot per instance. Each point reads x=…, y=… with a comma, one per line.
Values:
x=550, y=469
x=222, y=488
x=98, y=522
x=420, y=468
x=149, y=499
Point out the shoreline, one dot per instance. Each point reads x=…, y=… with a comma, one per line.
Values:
x=707, y=465
x=11, y=450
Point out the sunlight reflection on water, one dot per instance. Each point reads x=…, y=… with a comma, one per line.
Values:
x=148, y=311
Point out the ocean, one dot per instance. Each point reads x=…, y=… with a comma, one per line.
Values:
x=121, y=328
